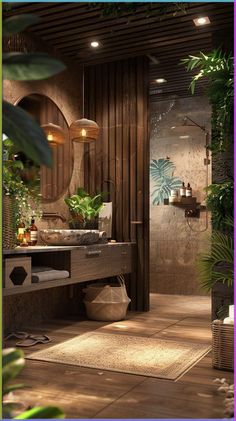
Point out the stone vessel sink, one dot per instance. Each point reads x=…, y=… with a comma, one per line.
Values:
x=56, y=237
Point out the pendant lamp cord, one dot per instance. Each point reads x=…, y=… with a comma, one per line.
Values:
x=83, y=93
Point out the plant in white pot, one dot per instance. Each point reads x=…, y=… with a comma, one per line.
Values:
x=84, y=209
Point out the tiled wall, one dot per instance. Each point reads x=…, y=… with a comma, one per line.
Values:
x=174, y=246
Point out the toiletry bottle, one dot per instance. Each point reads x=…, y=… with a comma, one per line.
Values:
x=183, y=190
x=189, y=191
x=24, y=242
x=20, y=232
x=33, y=233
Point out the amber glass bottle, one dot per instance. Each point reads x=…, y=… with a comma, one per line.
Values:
x=33, y=233
x=20, y=232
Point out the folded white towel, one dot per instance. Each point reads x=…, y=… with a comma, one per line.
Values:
x=49, y=275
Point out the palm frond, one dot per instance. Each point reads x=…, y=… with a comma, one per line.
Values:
x=217, y=265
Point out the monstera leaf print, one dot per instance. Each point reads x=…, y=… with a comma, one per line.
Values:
x=161, y=171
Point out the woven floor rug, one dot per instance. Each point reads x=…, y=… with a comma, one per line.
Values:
x=126, y=354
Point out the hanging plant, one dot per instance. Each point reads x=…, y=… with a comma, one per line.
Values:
x=161, y=171
x=217, y=67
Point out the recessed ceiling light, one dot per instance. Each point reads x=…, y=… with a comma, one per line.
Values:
x=161, y=80
x=94, y=44
x=201, y=21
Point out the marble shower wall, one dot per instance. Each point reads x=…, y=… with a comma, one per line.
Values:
x=174, y=246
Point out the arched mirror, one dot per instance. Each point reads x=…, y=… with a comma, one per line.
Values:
x=52, y=182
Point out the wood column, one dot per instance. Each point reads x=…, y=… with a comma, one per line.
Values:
x=116, y=97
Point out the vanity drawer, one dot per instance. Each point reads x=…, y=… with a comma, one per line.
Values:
x=90, y=264
x=100, y=262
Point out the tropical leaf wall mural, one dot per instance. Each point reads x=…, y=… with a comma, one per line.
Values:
x=161, y=172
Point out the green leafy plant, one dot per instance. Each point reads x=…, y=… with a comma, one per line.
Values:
x=119, y=9
x=217, y=67
x=17, y=124
x=84, y=207
x=217, y=265
x=12, y=363
x=161, y=171
x=26, y=201
x=220, y=201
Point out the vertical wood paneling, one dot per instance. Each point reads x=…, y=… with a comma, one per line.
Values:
x=117, y=98
x=111, y=185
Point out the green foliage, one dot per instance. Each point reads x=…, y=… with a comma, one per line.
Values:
x=217, y=265
x=20, y=66
x=25, y=133
x=26, y=201
x=12, y=363
x=41, y=412
x=217, y=67
x=17, y=124
x=16, y=24
x=161, y=171
x=118, y=9
x=220, y=201
x=88, y=207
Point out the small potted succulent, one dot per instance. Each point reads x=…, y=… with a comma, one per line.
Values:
x=84, y=209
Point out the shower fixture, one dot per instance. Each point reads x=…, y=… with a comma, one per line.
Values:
x=184, y=130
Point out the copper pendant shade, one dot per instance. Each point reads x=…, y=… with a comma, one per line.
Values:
x=84, y=131
x=54, y=134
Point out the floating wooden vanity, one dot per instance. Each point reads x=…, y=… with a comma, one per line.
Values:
x=84, y=263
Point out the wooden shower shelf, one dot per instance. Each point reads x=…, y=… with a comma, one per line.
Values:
x=186, y=203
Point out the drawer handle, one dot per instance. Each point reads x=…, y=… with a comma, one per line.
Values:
x=124, y=253
x=93, y=253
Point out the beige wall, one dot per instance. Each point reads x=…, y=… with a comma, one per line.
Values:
x=65, y=89
x=173, y=245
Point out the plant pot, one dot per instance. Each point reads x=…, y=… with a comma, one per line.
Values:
x=83, y=224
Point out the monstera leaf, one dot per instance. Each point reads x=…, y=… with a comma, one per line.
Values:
x=161, y=171
x=161, y=168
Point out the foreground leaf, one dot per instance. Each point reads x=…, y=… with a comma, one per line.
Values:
x=41, y=412
x=38, y=66
x=26, y=134
x=16, y=24
x=12, y=364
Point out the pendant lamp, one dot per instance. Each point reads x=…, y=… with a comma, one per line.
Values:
x=54, y=134
x=84, y=130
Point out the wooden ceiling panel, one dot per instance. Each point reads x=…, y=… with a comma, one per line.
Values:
x=169, y=37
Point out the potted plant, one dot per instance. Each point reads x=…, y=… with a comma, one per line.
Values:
x=84, y=209
x=19, y=202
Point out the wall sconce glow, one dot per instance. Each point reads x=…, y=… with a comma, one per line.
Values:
x=161, y=80
x=94, y=44
x=201, y=21
x=54, y=134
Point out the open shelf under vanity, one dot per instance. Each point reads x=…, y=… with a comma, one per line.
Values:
x=84, y=263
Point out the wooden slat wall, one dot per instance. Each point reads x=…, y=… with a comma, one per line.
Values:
x=117, y=99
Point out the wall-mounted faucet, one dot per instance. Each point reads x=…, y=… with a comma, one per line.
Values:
x=47, y=215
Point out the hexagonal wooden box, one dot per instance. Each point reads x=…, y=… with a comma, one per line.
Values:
x=17, y=272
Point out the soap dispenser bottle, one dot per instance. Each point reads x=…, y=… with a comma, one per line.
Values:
x=183, y=190
x=33, y=233
x=189, y=191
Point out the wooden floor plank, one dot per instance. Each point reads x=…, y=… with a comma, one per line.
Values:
x=91, y=393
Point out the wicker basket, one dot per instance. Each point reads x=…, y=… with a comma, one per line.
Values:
x=106, y=302
x=9, y=231
x=222, y=345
